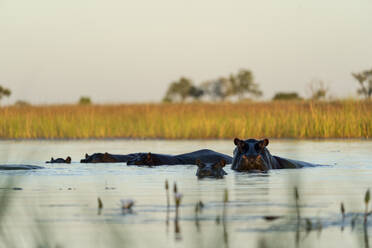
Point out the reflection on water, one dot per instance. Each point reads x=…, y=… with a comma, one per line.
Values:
x=61, y=200
x=365, y=231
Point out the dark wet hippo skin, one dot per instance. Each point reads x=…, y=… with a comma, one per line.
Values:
x=19, y=167
x=210, y=170
x=252, y=155
x=155, y=159
x=60, y=160
x=107, y=158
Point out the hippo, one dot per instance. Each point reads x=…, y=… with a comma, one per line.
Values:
x=210, y=170
x=155, y=159
x=107, y=158
x=252, y=155
x=60, y=161
x=19, y=167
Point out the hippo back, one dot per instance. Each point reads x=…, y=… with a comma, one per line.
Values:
x=205, y=156
x=155, y=159
x=286, y=163
x=19, y=167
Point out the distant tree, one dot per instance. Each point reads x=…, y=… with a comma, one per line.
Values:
x=318, y=90
x=196, y=92
x=4, y=92
x=167, y=99
x=85, y=100
x=364, y=78
x=181, y=89
x=286, y=96
x=21, y=103
x=244, y=83
x=233, y=89
x=218, y=89
x=235, y=85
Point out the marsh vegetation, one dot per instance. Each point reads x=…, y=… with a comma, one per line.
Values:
x=279, y=119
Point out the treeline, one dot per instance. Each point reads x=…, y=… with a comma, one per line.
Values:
x=242, y=85
x=237, y=86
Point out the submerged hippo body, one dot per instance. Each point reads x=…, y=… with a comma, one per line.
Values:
x=204, y=156
x=60, y=161
x=210, y=170
x=107, y=158
x=253, y=156
x=155, y=159
x=19, y=167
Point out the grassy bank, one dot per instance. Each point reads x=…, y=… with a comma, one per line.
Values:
x=343, y=119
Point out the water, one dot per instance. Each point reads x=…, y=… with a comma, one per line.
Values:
x=57, y=206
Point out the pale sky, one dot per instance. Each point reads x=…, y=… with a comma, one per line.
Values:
x=130, y=50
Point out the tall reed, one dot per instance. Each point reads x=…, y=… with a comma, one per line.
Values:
x=339, y=119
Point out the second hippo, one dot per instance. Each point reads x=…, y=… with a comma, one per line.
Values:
x=156, y=159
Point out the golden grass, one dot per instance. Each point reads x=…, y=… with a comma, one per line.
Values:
x=340, y=119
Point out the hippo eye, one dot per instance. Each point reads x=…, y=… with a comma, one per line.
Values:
x=242, y=147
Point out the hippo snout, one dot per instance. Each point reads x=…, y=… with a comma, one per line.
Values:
x=252, y=158
x=202, y=174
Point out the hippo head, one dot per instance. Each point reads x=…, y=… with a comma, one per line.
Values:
x=143, y=159
x=60, y=160
x=213, y=170
x=249, y=155
x=98, y=158
x=68, y=160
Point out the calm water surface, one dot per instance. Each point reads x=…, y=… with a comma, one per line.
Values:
x=57, y=206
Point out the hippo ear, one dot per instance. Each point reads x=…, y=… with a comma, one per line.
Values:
x=237, y=141
x=149, y=156
x=51, y=159
x=263, y=143
x=223, y=163
x=106, y=155
x=86, y=155
x=68, y=159
x=240, y=144
x=220, y=164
